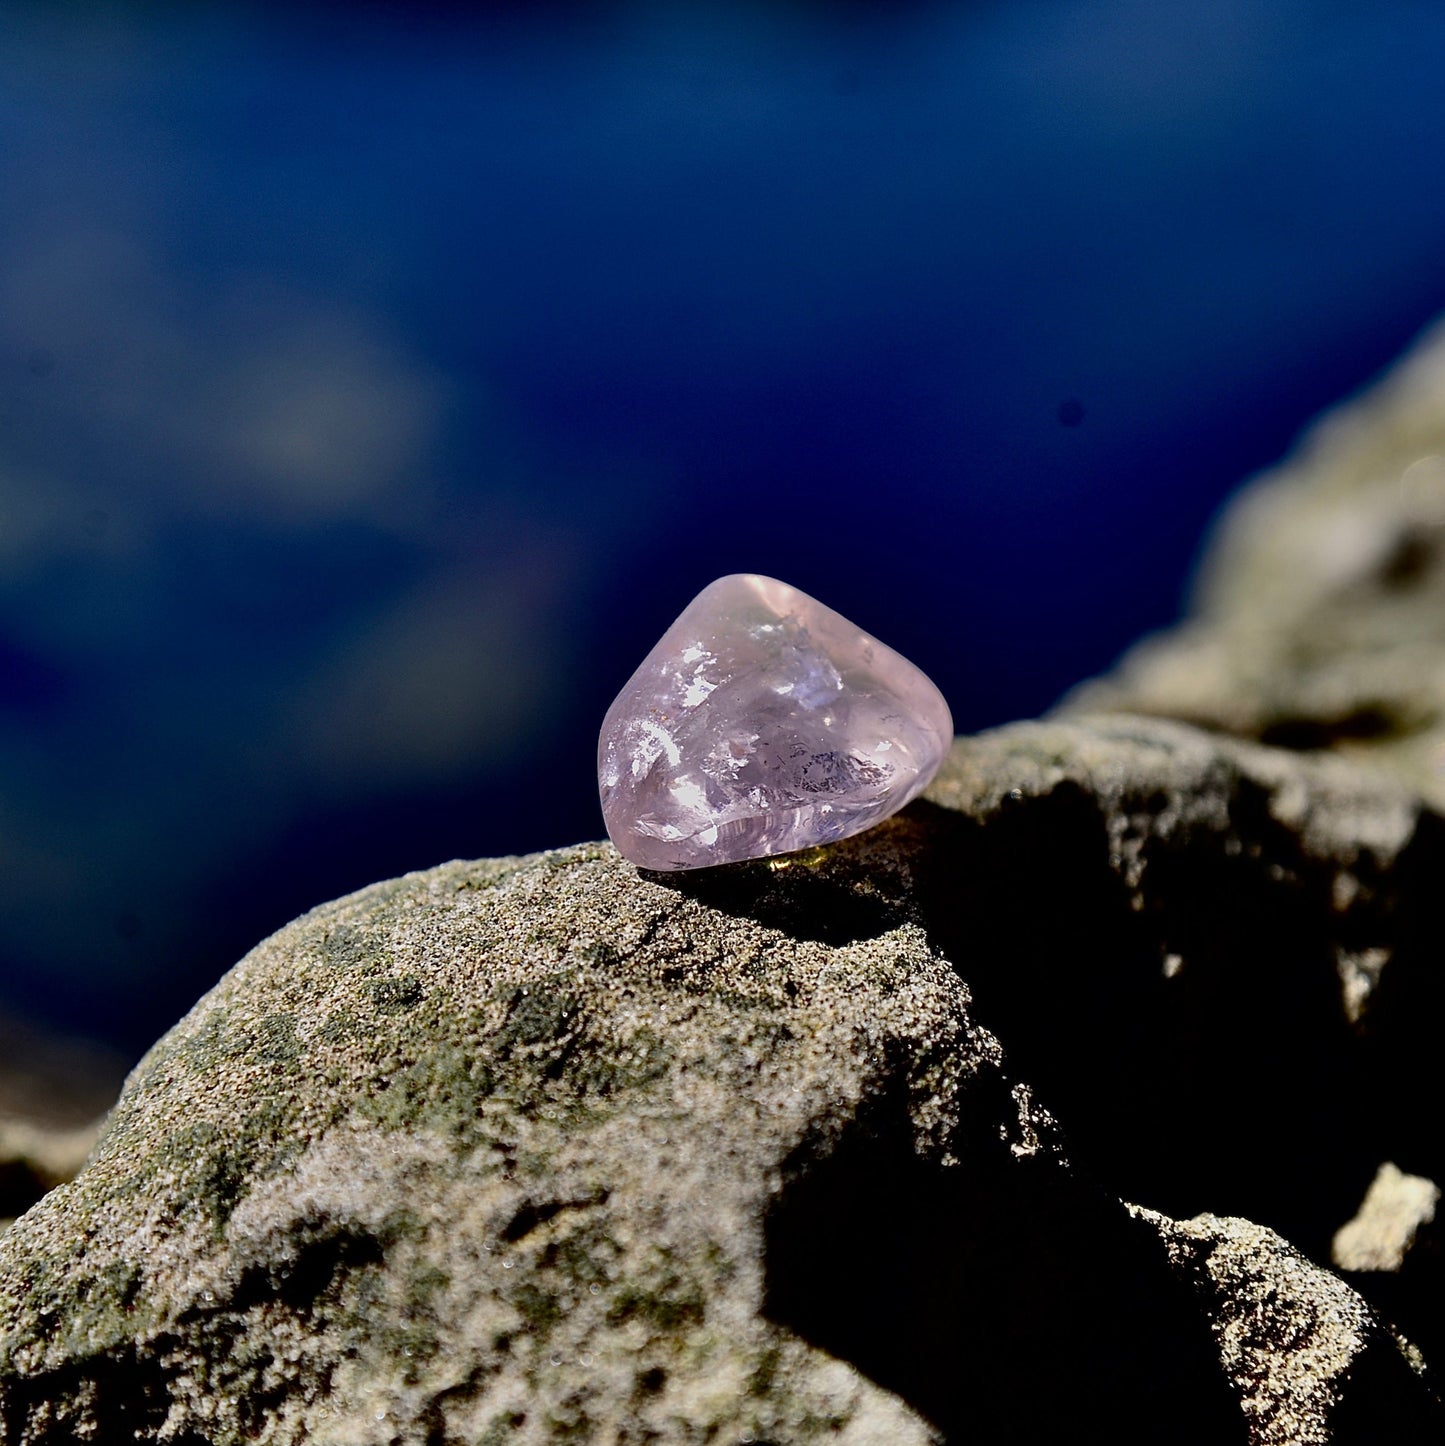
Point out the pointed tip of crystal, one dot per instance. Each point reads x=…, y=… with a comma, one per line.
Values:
x=762, y=723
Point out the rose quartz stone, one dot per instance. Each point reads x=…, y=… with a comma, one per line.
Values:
x=761, y=723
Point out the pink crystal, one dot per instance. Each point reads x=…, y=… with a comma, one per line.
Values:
x=761, y=723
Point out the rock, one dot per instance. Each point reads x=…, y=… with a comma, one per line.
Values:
x=1388, y=1224
x=546, y=1149
x=1391, y=1250
x=1319, y=621
x=1026, y=1116
x=1310, y=1361
x=53, y=1097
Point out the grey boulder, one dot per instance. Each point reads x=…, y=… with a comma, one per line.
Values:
x=545, y=1149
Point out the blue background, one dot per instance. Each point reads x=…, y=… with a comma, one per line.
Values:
x=377, y=382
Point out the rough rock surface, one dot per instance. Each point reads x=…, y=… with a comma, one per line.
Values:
x=1320, y=615
x=1035, y=1114
x=544, y=1149
x=1309, y=1360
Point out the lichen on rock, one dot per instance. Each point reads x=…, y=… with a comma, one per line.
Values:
x=546, y=1149
x=490, y=1143
x=1031, y=1115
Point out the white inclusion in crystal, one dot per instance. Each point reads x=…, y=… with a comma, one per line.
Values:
x=697, y=689
x=692, y=654
x=655, y=741
x=688, y=793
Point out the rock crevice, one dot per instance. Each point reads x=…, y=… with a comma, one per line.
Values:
x=1039, y=1112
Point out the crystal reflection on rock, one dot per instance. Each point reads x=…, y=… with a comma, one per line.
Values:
x=762, y=723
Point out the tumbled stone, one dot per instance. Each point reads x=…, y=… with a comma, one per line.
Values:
x=762, y=723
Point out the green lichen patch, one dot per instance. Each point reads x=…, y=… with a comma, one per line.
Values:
x=662, y=1292
x=549, y=1150
x=398, y=995
x=203, y=1168
x=274, y=1039
x=355, y=947
x=443, y=1091
x=408, y=1158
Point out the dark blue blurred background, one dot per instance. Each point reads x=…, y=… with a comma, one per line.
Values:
x=377, y=382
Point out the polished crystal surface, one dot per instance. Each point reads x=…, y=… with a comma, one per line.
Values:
x=761, y=723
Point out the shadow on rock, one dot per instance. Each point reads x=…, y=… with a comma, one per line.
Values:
x=1187, y=1032
x=825, y=904
x=1186, y=1026
x=1167, y=977
x=1001, y=1298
